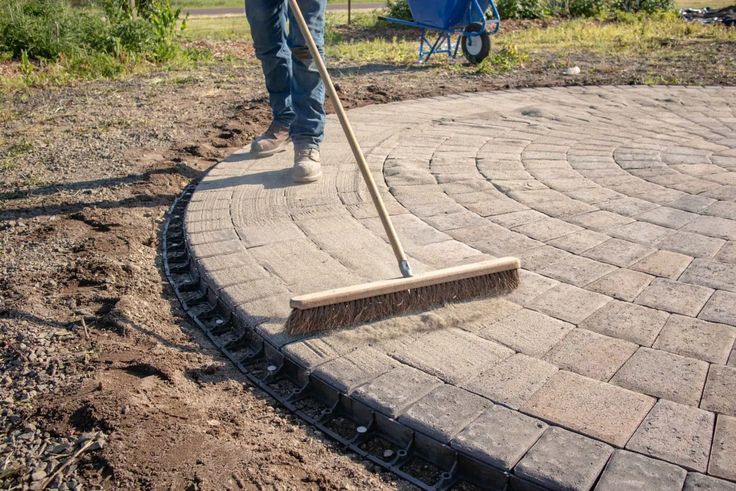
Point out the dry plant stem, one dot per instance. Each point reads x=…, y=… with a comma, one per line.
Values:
x=67, y=463
x=86, y=331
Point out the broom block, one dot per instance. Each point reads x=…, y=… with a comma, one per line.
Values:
x=384, y=287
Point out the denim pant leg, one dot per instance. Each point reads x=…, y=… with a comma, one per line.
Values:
x=267, y=19
x=307, y=89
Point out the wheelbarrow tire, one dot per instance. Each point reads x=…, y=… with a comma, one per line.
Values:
x=476, y=48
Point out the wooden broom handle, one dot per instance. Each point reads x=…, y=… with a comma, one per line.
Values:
x=354, y=146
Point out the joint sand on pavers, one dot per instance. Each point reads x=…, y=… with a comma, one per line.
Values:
x=612, y=363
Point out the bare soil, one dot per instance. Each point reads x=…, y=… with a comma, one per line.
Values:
x=101, y=371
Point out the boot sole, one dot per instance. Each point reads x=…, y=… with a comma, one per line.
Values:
x=304, y=180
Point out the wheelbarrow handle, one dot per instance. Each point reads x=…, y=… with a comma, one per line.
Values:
x=353, y=141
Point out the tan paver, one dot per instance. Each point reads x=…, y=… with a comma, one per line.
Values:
x=513, y=381
x=662, y=374
x=673, y=296
x=452, y=354
x=568, y=303
x=621, y=253
x=577, y=270
x=591, y=354
x=623, y=284
x=703, y=340
x=628, y=321
x=719, y=394
x=527, y=331
x=666, y=264
x=723, y=454
x=591, y=407
x=720, y=308
x=676, y=433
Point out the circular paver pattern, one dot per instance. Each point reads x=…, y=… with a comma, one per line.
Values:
x=613, y=362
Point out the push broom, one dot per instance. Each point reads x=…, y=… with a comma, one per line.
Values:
x=357, y=304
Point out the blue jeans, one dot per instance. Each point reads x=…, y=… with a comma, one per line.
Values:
x=295, y=90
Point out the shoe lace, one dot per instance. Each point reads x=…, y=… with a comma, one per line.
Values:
x=308, y=152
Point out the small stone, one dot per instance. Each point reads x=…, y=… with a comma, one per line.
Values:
x=86, y=436
x=387, y=454
x=38, y=475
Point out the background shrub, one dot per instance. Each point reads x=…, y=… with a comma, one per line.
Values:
x=52, y=30
x=648, y=6
x=523, y=9
x=398, y=9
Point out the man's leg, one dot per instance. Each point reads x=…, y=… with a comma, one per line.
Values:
x=308, y=91
x=267, y=19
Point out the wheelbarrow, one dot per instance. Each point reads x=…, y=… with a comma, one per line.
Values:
x=463, y=20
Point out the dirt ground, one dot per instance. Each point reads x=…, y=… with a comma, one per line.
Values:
x=103, y=379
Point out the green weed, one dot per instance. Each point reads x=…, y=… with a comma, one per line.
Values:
x=507, y=58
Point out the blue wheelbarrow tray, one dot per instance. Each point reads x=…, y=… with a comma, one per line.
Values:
x=447, y=14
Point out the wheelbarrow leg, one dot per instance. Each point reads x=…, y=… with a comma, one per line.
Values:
x=440, y=37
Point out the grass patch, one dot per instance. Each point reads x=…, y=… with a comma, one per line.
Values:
x=627, y=34
x=377, y=50
x=218, y=28
x=10, y=157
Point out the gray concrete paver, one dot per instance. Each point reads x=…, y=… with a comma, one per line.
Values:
x=355, y=368
x=562, y=460
x=396, y=390
x=700, y=482
x=444, y=412
x=621, y=253
x=676, y=433
x=513, y=381
x=500, y=436
x=635, y=472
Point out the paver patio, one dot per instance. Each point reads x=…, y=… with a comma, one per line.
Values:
x=613, y=363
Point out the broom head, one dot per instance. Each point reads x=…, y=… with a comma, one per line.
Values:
x=358, y=304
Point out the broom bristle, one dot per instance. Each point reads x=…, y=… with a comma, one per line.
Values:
x=346, y=314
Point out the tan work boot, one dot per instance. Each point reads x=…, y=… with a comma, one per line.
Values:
x=273, y=140
x=307, y=164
